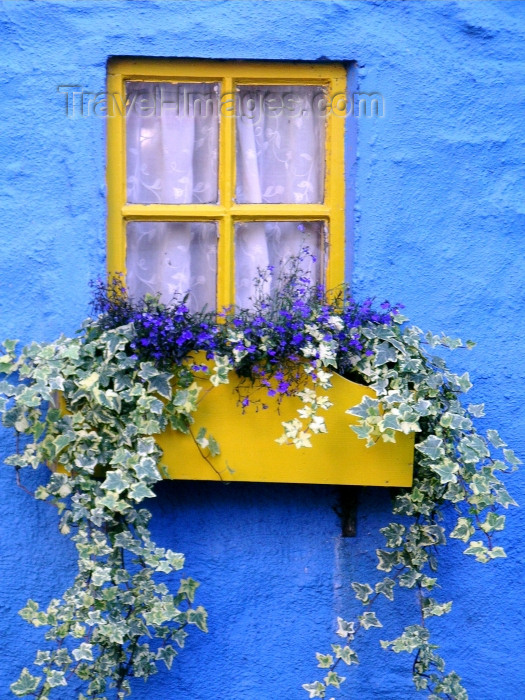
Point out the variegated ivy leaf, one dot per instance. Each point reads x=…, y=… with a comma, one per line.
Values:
x=385, y=353
x=414, y=637
x=347, y=655
x=431, y=608
x=84, y=652
x=432, y=447
x=464, y=382
x=363, y=591
x=450, y=686
x=188, y=587
x=213, y=446
x=160, y=384
x=101, y=575
x=26, y=684
x=198, y=617
x=479, y=550
x=463, y=530
x=493, y=522
x=146, y=470
x=447, y=470
x=393, y=534
x=166, y=654
x=503, y=497
x=55, y=678
x=409, y=579
x=140, y=491
x=362, y=431
x=369, y=619
x=477, y=410
x=455, y=421
x=496, y=553
x=511, y=457
x=333, y=678
x=455, y=492
x=386, y=587
x=345, y=629
x=368, y=407
x=387, y=560
x=495, y=439
x=325, y=660
x=472, y=448
x=315, y=690
x=116, y=481
x=42, y=657
x=147, y=371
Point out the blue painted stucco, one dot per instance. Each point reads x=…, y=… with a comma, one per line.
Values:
x=435, y=219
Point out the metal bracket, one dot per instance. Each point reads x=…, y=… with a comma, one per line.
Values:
x=346, y=509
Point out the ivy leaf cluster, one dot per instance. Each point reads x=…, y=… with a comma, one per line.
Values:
x=456, y=469
x=118, y=620
x=90, y=407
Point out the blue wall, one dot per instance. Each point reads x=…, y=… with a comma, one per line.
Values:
x=439, y=224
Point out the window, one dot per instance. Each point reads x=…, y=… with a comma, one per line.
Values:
x=218, y=168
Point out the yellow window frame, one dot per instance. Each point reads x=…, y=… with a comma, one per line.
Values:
x=227, y=212
x=339, y=457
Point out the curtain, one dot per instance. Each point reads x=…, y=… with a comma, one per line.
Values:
x=173, y=258
x=172, y=150
x=172, y=145
x=280, y=160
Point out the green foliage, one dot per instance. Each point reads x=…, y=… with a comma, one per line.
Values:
x=119, y=620
x=456, y=469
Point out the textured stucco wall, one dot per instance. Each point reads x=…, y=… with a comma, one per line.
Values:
x=438, y=224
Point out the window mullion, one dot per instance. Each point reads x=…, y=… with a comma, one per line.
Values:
x=225, y=263
x=173, y=212
x=225, y=254
x=227, y=144
x=272, y=212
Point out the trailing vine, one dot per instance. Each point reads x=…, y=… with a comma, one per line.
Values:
x=455, y=466
x=90, y=407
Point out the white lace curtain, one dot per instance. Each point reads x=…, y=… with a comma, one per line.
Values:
x=172, y=145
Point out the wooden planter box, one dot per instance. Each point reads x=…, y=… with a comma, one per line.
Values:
x=249, y=451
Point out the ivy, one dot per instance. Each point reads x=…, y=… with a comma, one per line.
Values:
x=456, y=468
x=91, y=406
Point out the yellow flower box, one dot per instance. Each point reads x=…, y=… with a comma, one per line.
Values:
x=249, y=451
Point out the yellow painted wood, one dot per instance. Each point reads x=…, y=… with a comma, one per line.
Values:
x=249, y=451
x=245, y=71
x=248, y=441
x=116, y=180
x=225, y=250
x=228, y=74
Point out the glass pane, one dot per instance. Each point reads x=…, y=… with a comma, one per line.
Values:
x=172, y=142
x=281, y=134
x=259, y=244
x=173, y=257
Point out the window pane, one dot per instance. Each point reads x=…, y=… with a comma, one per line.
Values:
x=173, y=257
x=259, y=244
x=280, y=144
x=172, y=142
